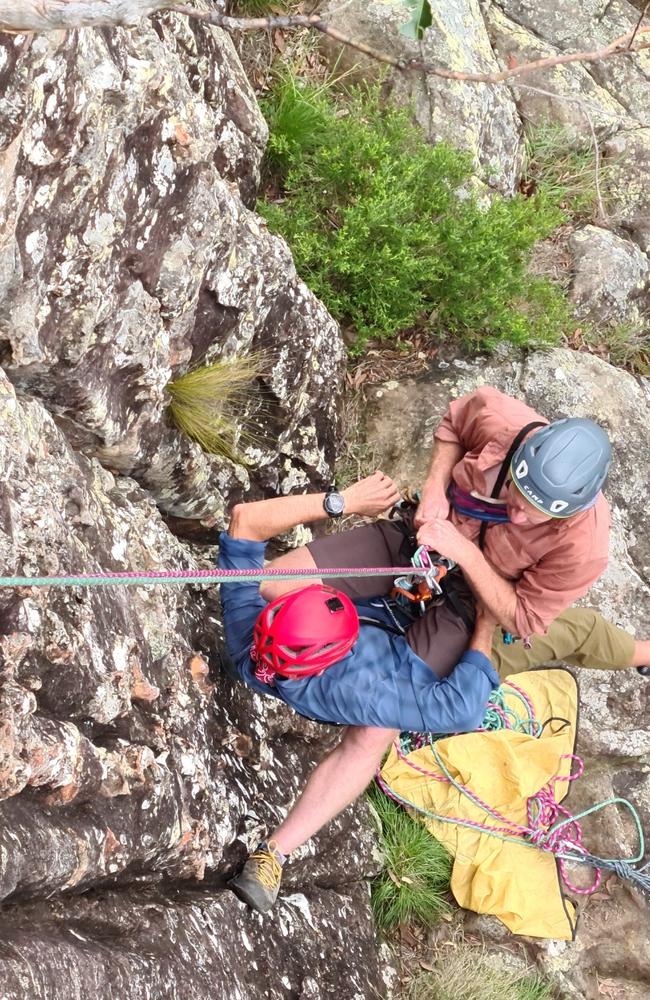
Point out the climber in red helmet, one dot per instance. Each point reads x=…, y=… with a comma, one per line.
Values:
x=349, y=662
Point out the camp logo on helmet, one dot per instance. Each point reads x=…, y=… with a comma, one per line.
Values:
x=304, y=632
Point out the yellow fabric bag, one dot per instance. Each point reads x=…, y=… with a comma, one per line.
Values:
x=518, y=884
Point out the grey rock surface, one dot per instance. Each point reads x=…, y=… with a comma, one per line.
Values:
x=127, y=758
x=116, y=944
x=127, y=254
x=604, y=101
x=614, y=726
x=610, y=275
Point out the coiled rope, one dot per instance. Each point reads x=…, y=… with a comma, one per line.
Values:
x=549, y=827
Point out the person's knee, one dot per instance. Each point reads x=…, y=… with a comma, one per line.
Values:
x=368, y=741
x=300, y=558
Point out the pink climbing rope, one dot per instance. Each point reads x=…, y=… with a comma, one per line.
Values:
x=550, y=826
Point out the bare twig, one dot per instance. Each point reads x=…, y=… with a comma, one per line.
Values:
x=638, y=24
x=619, y=46
x=49, y=15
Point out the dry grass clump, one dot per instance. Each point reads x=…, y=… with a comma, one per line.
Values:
x=568, y=173
x=469, y=972
x=209, y=405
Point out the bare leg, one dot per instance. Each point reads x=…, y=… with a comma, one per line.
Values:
x=294, y=559
x=641, y=657
x=334, y=784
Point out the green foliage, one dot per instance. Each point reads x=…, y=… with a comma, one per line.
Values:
x=207, y=404
x=417, y=868
x=421, y=19
x=468, y=972
x=257, y=8
x=563, y=171
x=300, y=121
x=380, y=232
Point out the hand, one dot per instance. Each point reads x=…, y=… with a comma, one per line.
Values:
x=434, y=506
x=446, y=540
x=370, y=496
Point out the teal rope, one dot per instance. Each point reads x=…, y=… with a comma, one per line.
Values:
x=620, y=866
x=180, y=577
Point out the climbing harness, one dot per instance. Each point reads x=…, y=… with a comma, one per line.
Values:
x=550, y=827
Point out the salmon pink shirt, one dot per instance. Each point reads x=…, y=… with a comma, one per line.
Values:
x=552, y=564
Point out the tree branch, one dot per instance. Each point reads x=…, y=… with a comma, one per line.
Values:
x=50, y=15
x=638, y=24
x=61, y=15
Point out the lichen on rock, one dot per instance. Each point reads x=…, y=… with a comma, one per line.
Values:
x=127, y=254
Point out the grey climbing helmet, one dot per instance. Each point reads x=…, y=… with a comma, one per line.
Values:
x=561, y=468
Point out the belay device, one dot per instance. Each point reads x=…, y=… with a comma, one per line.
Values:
x=411, y=591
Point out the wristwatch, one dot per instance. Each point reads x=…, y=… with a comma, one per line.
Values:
x=333, y=504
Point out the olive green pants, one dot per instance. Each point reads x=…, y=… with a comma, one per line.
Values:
x=580, y=637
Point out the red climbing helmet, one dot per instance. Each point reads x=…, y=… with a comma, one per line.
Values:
x=304, y=632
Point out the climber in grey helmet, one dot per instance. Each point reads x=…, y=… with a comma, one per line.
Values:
x=562, y=468
x=515, y=500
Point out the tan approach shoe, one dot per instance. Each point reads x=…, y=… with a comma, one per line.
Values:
x=258, y=883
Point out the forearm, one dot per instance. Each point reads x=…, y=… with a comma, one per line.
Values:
x=498, y=595
x=445, y=455
x=483, y=636
x=263, y=519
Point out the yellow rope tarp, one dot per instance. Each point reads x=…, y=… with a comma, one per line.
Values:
x=520, y=885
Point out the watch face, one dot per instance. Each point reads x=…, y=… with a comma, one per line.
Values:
x=334, y=504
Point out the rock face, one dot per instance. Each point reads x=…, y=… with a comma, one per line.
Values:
x=116, y=945
x=127, y=158
x=127, y=758
x=610, y=275
x=614, y=733
x=609, y=97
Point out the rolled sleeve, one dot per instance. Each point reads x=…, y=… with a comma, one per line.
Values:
x=458, y=703
x=549, y=588
x=474, y=421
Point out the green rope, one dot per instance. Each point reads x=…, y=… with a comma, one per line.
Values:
x=141, y=581
x=180, y=577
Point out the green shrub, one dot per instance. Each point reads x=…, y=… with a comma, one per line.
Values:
x=417, y=868
x=207, y=404
x=380, y=232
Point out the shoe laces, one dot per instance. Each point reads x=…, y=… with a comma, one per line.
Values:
x=268, y=868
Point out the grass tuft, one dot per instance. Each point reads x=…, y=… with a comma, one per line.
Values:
x=207, y=404
x=417, y=868
x=626, y=345
x=563, y=172
x=384, y=232
x=468, y=972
